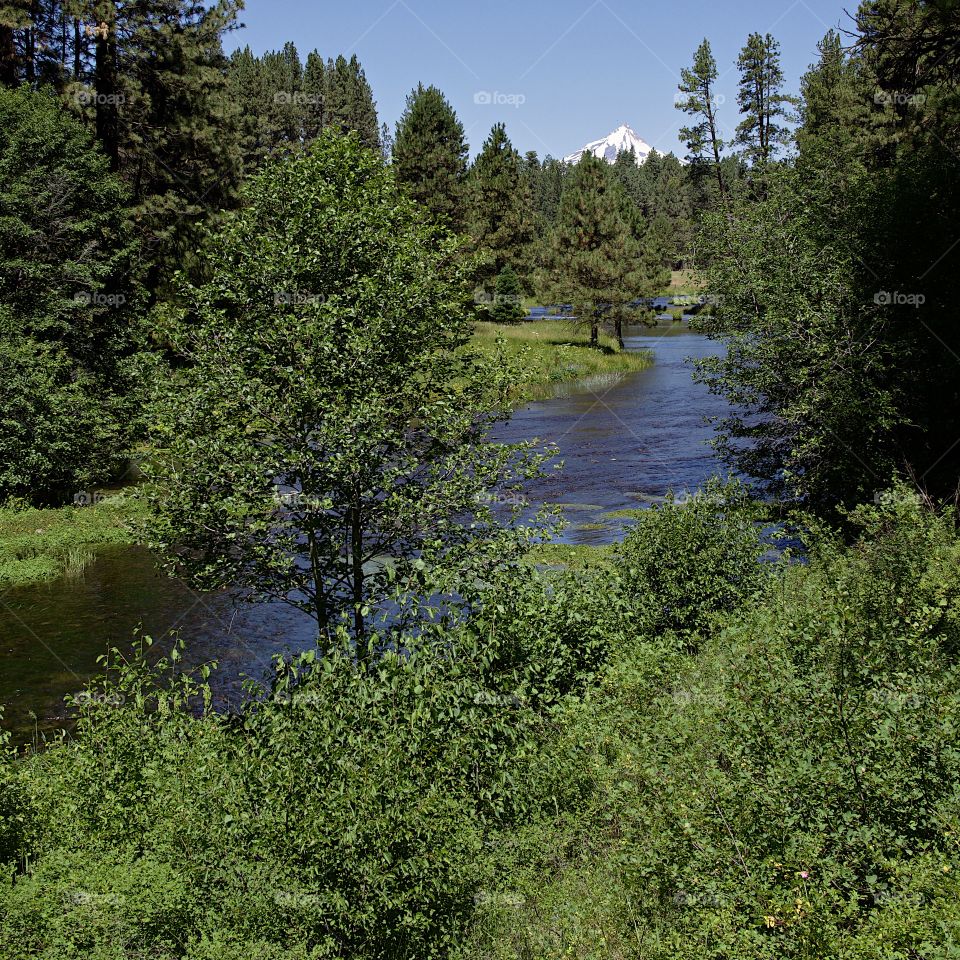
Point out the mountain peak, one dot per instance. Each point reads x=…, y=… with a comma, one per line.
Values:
x=609, y=147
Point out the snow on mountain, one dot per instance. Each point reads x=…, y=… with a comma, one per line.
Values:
x=620, y=141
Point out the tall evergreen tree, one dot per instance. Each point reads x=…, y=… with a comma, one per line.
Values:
x=550, y=181
x=697, y=85
x=349, y=101
x=501, y=208
x=430, y=155
x=593, y=257
x=68, y=292
x=764, y=105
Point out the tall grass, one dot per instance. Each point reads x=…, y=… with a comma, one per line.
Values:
x=556, y=351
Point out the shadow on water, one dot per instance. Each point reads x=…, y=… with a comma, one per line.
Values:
x=625, y=441
x=52, y=634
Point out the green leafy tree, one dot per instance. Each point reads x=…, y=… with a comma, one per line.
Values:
x=329, y=431
x=430, y=155
x=836, y=290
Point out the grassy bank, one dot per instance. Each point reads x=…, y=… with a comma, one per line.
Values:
x=38, y=545
x=553, y=351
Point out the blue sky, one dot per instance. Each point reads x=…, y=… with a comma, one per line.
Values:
x=559, y=73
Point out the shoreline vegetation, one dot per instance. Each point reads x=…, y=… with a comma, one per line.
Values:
x=43, y=545
x=555, y=351
x=38, y=545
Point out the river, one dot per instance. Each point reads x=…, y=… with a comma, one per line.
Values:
x=625, y=442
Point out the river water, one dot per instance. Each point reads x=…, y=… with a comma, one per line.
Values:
x=625, y=442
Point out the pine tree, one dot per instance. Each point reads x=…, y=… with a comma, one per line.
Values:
x=762, y=102
x=838, y=122
x=501, y=208
x=285, y=114
x=508, y=298
x=553, y=173
x=594, y=258
x=430, y=155
x=700, y=102
x=349, y=101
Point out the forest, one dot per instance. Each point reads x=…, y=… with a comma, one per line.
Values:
x=289, y=333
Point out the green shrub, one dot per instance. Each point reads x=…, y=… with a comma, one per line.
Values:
x=790, y=791
x=689, y=560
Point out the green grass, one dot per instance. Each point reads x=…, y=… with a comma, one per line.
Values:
x=554, y=351
x=683, y=281
x=570, y=556
x=39, y=545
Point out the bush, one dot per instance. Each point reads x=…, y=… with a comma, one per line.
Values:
x=689, y=560
x=788, y=792
x=345, y=813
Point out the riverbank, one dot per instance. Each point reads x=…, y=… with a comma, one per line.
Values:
x=40, y=545
x=556, y=351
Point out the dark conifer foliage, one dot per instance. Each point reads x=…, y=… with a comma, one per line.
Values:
x=430, y=155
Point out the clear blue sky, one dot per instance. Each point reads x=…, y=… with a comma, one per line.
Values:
x=557, y=73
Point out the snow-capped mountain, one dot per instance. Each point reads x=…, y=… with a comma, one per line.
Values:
x=620, y=141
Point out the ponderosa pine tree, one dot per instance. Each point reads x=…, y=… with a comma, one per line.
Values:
x=501, y=208
x=699, y=101
x=68, y=292
x=287, y=104
x=430, y=155
x=349, y=104
x=593, y=259
x=764, y=105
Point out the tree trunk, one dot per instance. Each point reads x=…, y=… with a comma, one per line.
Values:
x=105, y=84
x=618, y=323
x=8, y=58
x=77, y=50
x=319, y=591
x=356, y=557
